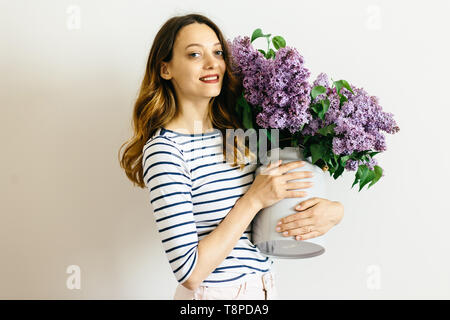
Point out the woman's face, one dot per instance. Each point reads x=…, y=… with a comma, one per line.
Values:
x=191, y=62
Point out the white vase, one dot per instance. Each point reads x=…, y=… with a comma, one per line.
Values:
x=264, y=236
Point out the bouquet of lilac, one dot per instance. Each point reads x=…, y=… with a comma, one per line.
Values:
x=346, y=130
x=276, y=90
x=338, y=126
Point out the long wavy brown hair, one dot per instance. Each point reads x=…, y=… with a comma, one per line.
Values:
x=155, y=105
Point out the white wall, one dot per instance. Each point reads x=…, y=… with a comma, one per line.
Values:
x=67, y=93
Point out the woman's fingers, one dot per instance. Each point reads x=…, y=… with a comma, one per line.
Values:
x=295, y=194
x=290, y=166
x=272, y=164
x=277, y=168
x=299, y=185
x=309, y=235
x=291, y=190
x=297, y=227
x=297, y=175
x=285, y=167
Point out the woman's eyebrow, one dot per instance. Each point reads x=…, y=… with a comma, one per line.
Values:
x=199, y=45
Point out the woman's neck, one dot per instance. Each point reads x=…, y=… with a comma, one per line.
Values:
x=189, y=126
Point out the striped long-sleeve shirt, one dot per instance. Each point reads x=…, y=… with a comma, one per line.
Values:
x=192, y=189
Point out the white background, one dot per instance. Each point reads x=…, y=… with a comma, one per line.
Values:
x=70, y=72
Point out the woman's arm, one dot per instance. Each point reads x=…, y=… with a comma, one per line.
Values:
x=216, y=246
x=269, y=187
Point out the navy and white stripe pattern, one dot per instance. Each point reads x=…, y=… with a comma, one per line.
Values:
x=192, y=189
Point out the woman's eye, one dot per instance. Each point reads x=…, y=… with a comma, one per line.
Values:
x=191, y=54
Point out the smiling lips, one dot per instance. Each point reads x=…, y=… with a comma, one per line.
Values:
x=211, y=78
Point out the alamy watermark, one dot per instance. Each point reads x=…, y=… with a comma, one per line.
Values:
x=73, y=21
x=373, y=21
x=373, y=280
x=74, y=280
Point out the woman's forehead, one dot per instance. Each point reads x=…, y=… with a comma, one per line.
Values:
x=199, y=34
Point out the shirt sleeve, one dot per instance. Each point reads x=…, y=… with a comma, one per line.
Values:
x=168, y=179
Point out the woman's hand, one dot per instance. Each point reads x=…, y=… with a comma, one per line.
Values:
x=315, y=217
x=273, y=184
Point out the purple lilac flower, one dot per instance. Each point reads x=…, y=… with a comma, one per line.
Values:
x=352, y=165
x=321, y=80
x=279, y=86
x=359, y=121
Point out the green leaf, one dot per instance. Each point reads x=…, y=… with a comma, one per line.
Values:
x=378, y=173
x=370, y=176
x=325, y=105
x=268, y=135
x=339, y=85
x=316, y=152
x=270, y=54
x=343, y=160
x=347, y=86
x=327, y=130
x=342, y=99
x=257, y=34
x=364, y=171
x=305, y=140
x=355, y=181
x=365, y=175
x=240, y=104
x=317, y=108
x=326, y=155
x=262, y=51
x=338, y=172
x=317, y=90
x=245, y=112
x=247, y=117
x=358, y=175
x=238, y=109
x=278, y=42
x=333, y=163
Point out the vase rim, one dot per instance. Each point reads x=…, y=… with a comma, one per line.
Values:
x=287, y=153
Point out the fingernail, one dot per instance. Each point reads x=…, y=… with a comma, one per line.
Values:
x=285, y=233
x=278, y=229
x=279, y=222
x=298, y=207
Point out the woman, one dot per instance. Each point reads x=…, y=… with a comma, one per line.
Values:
x=203, y=199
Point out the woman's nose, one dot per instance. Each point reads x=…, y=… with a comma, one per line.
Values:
x=211, y=61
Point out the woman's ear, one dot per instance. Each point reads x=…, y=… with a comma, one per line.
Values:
x=165, y=74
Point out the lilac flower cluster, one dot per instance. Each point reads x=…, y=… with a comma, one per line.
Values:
x=353, y=165
x=359, y=122
x=279, y=86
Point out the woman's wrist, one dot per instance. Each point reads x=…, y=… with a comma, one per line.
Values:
x=251, y=203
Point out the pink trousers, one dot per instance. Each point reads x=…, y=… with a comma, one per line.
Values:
x=258, y=287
